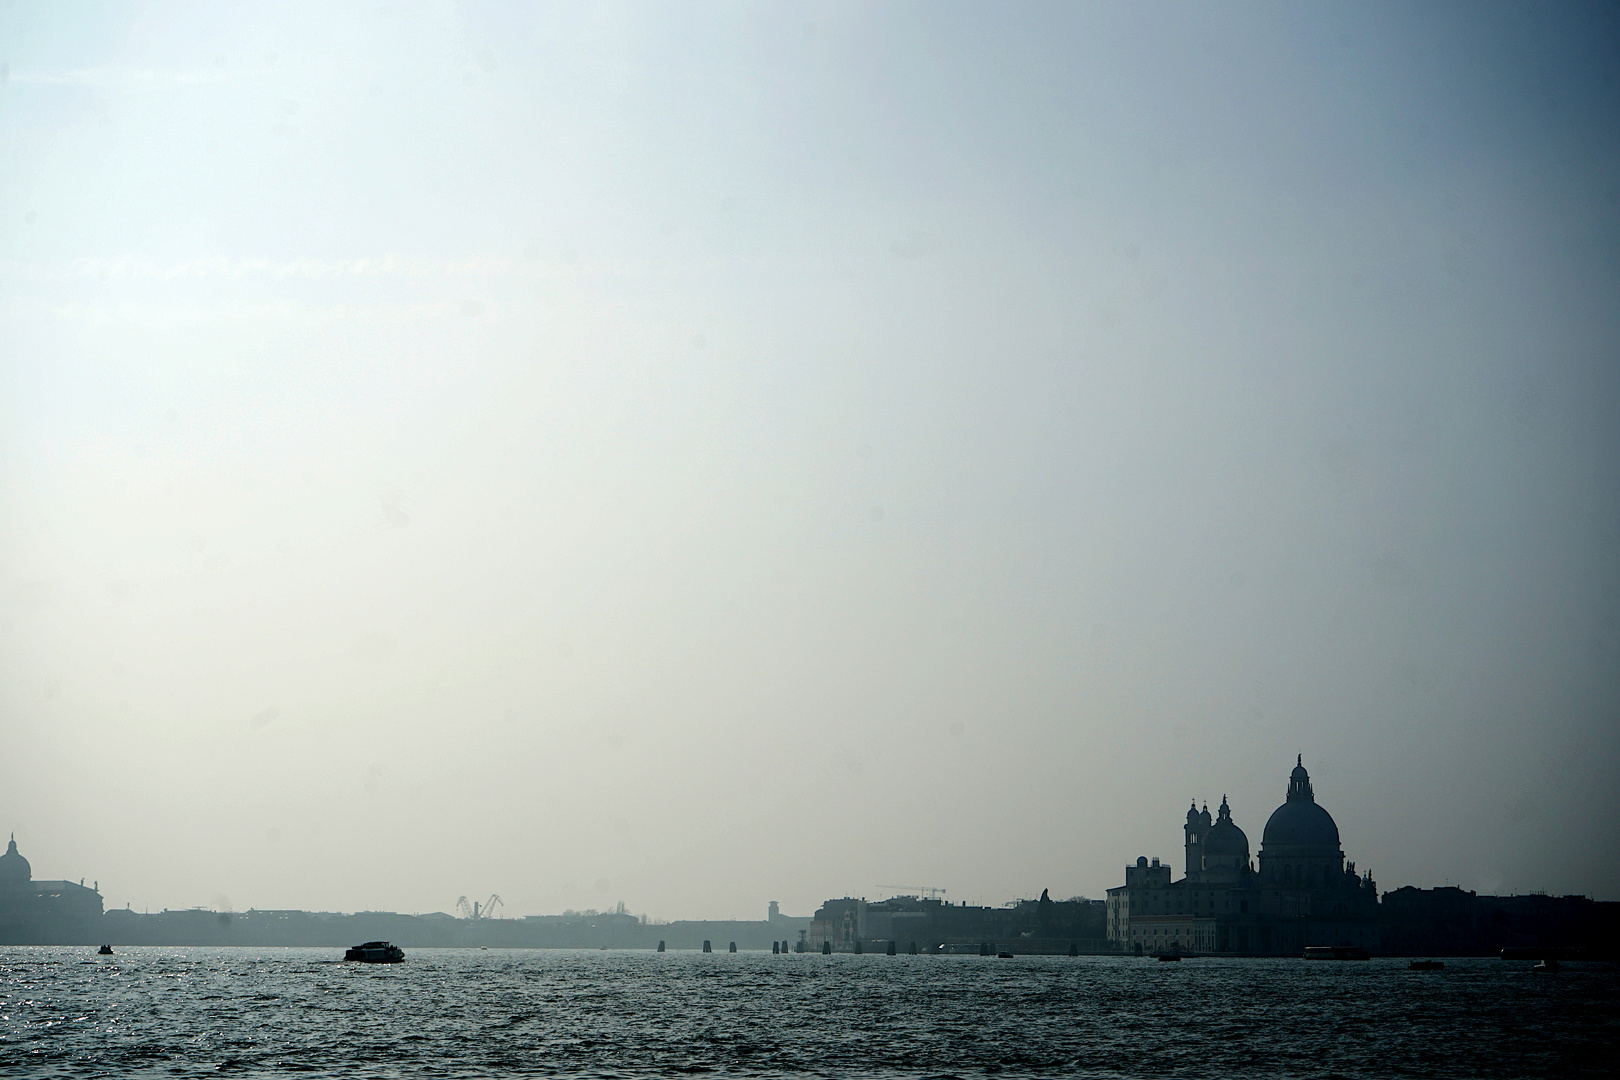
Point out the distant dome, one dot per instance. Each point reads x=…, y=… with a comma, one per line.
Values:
x=1225, y=838
x=14, y=869
x=1300, y=822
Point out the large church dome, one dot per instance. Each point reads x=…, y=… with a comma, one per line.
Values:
x=14, y=869
x=1300, y=822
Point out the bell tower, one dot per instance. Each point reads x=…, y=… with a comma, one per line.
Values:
x=1197, y=830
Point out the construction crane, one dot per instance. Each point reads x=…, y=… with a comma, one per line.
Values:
x=931, y=891
x=475, y=910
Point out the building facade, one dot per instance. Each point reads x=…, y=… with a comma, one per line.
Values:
x=1303, y=893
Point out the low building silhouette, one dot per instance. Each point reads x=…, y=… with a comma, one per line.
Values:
x=848, y=924
x=1449, y=921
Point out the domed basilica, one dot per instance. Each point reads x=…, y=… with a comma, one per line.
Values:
x=1303, y=893
x=30, y=908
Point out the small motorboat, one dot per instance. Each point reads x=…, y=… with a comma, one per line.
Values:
x=1426, y=965
x=376, y=952
x=1004, y=956
x=105, y=950
x=1548, y=965
x=1173, y=952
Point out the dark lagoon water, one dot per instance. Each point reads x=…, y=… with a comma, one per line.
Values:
x=187, y=1012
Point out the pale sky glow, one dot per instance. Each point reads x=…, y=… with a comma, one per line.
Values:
x=697, y=455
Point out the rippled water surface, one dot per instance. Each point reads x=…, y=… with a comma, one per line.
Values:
x=181, y=1012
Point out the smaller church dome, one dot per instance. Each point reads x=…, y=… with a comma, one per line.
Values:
x=14, y=869
x=1225, y=838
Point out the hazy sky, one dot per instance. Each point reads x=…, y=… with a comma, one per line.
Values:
x=697, y=455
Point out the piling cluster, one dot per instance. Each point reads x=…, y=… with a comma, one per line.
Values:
x=891, y=948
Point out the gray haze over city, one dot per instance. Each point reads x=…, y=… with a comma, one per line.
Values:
x=698, y=455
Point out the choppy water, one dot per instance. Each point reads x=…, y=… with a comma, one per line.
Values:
x=182, y=1012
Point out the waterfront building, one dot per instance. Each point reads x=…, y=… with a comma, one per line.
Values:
x=840, y=922
x=930, y=924
x=1303, y=893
